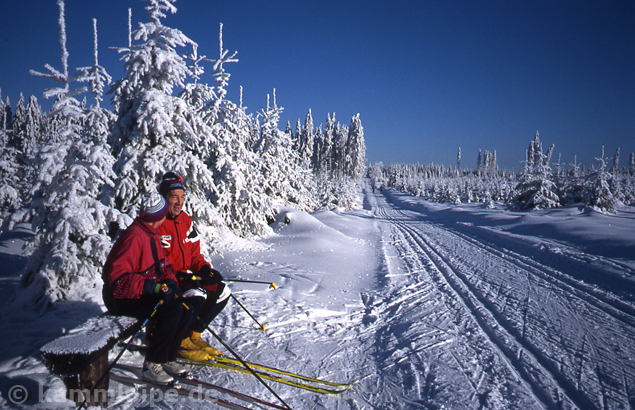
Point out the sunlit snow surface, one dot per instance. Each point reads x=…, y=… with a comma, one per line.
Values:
x=427, y=305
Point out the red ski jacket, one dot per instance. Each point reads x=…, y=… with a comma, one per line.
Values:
x=131, y=261
x=182, y=246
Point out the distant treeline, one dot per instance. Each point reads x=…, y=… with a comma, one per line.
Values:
x=541, y=184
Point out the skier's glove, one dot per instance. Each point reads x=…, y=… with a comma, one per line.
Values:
x=209, y=276
x=169, y=290
x=150, y=287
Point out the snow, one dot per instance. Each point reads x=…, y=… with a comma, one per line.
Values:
x=425, y=305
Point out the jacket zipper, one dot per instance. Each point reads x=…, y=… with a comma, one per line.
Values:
x=179, y=241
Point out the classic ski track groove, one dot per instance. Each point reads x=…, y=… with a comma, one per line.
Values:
x=583, y=293
x=482, y=311
x=495, y=325
x=616, y=308
x=474, y=308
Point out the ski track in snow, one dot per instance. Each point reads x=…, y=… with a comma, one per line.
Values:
x=425, y=312
x=542, y=338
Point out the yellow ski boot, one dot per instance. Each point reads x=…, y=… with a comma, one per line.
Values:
x=195, y=339
x=190, y=351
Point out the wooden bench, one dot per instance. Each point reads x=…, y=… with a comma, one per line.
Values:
x=80, y=357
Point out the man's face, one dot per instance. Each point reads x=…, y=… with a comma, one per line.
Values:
x=175, y=200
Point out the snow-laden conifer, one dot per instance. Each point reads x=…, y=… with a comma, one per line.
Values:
x=326, y=150
x=285, y=182
x=19, y=117
x=599, y=194
x=355, y=156
x=307, y=141
x=239, y=195
x=32, y=127
x=10, y=178
x=536, y=189
x=157, y=132
x=6, y=114
x=96, y=76
x=154, y=64
x=197, y=94
x=67, y=213
x=98, y=121
x=2, y=115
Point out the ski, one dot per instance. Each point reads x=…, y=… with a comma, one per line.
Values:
x=193, y=381
x=274, y=374
x=273, y=377
x=222, y=359
x=192, y=394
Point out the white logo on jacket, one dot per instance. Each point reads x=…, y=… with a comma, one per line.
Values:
x=192, y=235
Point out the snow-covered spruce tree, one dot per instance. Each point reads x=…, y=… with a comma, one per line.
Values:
x=197, y=94
x=307, y=141
x=66, y=212
x=296, y=137
x=2, y=115
x=479, y=162
x=616, y=162
x=19, y=118
x=156, y=131
x=32, y=127
x=355, y=154
x=339, y=150
x=599, y=194
x=536, y=189
x=239, y=195
x=376, y=173
x=326, y=145
x=10, y=173
x=289, y=132
x=98, y=121
x=285, y=181
x=7, y=114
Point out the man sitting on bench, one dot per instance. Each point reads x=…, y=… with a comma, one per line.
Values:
x=136, y=276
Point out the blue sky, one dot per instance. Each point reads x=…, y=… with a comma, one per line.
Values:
x=426, y=77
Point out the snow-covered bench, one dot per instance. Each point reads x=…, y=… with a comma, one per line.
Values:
x=80, y=357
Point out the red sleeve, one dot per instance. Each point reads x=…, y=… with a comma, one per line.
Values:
x=125, y=264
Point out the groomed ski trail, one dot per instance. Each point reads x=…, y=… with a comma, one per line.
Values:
x=522, y=334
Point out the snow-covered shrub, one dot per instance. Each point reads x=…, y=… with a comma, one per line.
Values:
x=536, y=189
x=599, y=194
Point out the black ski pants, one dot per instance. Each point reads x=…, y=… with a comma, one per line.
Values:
x=169, y=326
x=210, y=309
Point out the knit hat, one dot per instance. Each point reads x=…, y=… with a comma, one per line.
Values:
x=154, y=208
x=169, y=182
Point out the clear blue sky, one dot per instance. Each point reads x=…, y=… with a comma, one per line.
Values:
x=426, y=77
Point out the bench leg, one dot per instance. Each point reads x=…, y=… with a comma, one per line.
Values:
x=78, y=386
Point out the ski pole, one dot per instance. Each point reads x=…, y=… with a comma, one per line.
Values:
x=103, y=376
x=262, y=327
x=236, y=356
x=202, y=289
x=272, y=285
